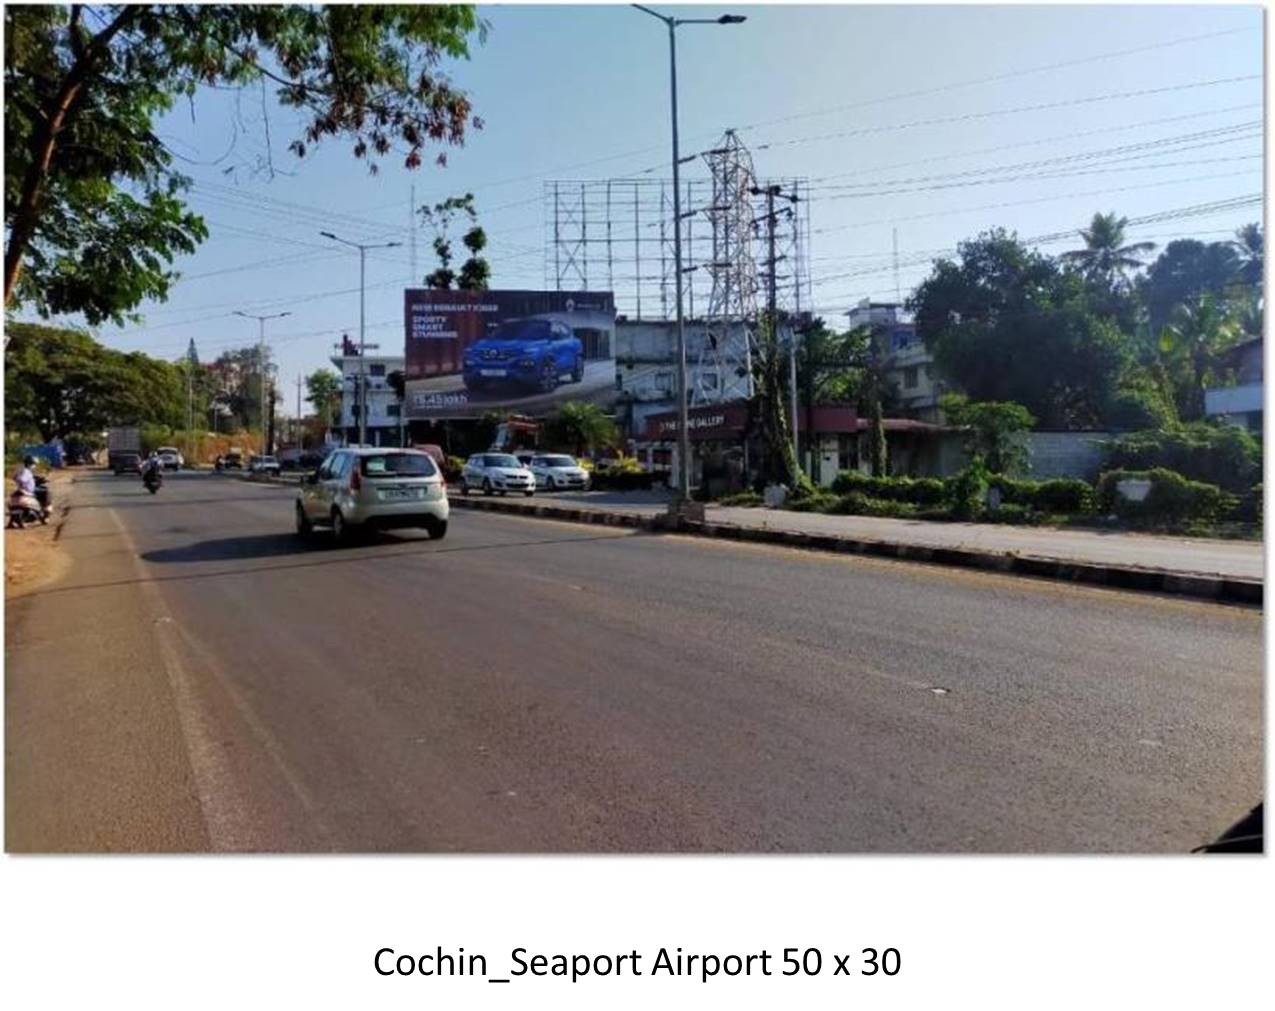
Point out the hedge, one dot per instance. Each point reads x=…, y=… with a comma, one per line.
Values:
x=1058, y=495
x=919, y=491
x=1224, y=455
x=1172, y=498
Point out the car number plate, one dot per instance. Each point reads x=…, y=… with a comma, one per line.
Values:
x=397, y=494
x=492, y=372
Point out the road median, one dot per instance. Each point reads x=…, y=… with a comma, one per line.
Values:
x=1144, y=579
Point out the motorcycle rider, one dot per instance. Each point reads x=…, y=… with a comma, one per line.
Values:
x=24, y=492
x=152, y=469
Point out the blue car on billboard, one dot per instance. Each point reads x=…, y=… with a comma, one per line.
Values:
x=534, y=353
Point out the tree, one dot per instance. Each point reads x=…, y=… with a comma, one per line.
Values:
x=1184, y=271
x=1106, y=258
x=1006, y=323
x=1249, y=246
x=61, y=383
x=995, y=430
x=1192, y=344
x=582, y=426
x=323, y=393
x=93, y=206
x=769, y=416
x=475, y=271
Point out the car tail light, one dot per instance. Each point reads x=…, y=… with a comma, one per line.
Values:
x=356, y=480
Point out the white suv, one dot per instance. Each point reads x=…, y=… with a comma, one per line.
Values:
x=378, y=489
x=555, y=470
x=493, y=472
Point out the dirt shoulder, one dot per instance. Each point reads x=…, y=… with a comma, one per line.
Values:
x=32, y=556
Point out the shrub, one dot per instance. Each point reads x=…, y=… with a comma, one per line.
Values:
x=1057, y=495
x=1224, y=455
x=744, y=498
x=857, y=504
x=1019, y=515
x=919, y=491
x=817, y=502
x=967, y=491
x=452, y=466
x=1171, y=500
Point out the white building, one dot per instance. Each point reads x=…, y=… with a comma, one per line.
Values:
x=909, y=366
x=382, y=408
x=1242, y=402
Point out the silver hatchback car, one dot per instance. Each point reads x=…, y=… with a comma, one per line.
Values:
x=373, y=489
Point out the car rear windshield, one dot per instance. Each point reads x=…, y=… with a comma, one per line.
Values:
x=500, y=460
x=557, y=461
x=398, y=465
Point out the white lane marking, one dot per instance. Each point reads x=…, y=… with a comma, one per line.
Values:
x=226, y=813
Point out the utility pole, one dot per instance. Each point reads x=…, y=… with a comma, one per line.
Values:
x=362, y=378
x=261, y=362
x=772, y=304
x=298, y=432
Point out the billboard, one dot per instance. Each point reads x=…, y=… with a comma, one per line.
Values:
x=525, y=352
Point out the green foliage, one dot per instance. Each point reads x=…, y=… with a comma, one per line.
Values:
x=580, y=426
x=1171, y=501
x=452, y=466
x=1012, y=514
x=1008, y=324
x=323, y=393
x=1191, y=345
x=1106, y=257
x=475, y=272
x=60, y=382
x=744, y=499
x=926, y=491
x=857, y=504
x=967, y=491
x=1057, y=495
x=93, y=205
x=1186, y=270
x=996, y=430
x=1225, y=455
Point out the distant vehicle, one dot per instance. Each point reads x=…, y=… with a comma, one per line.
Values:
x=435, y=452
x=263, y=465
x=170, y=458
x=125, y=463
x=362, y=489
x=121, y=441
x=232, y=460
x=524, y=352
x=557, y=470
x=492, y=472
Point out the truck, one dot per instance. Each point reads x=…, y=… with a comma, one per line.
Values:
x=124, y=448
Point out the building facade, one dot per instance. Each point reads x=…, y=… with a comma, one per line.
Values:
x=382, y=407
x=1240, y=403
x=910, y=367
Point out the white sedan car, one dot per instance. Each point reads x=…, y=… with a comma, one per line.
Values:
x=554, y=470
x=492, y=472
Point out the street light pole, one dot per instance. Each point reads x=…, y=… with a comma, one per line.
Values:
x=361, y=395
x=683, y=422
x=261, y=361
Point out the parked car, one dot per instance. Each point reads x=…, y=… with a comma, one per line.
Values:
x=492, y=472
x=526, y=352
x=263, y=465
x=170, y=458
x=557, y=470
x=373, y=489
x=232, y=460
x=126, y=463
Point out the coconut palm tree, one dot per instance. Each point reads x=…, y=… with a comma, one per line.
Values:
x=1249, y=246
x=1199, y=333
x=1106, y=257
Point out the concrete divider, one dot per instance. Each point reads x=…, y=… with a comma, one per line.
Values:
x=1147, y=580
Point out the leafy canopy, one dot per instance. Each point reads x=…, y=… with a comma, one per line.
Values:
x=93, y=202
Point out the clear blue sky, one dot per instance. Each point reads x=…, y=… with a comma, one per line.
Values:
x=559, y=87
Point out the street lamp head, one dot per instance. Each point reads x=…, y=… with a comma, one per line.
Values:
x=329, y=235
x=732, y=19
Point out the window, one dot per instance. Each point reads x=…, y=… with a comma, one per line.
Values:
x=909, y=377
x=398, y=464
x=376, y=370
x=392, y=410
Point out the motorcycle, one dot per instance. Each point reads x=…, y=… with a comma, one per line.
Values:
x=24, y=509
x=153, y=479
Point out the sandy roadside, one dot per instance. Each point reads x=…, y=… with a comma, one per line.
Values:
x=32, y=556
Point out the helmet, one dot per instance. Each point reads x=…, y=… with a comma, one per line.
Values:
x=28, y=461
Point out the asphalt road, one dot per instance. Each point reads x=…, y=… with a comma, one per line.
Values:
x=202, y=680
